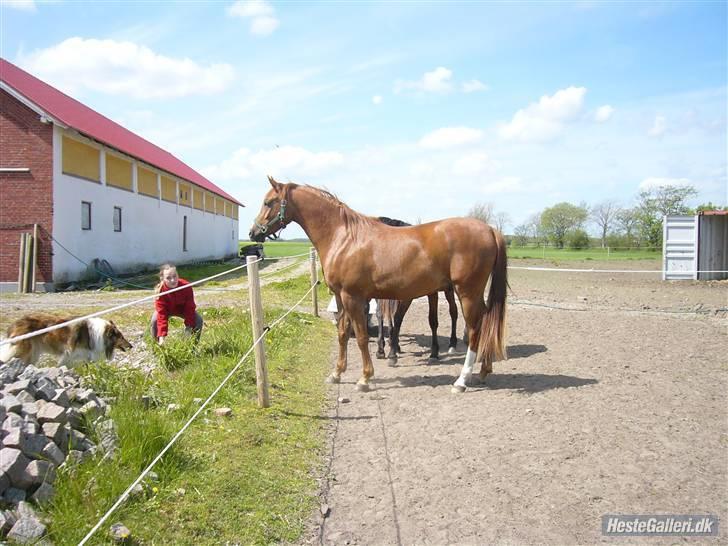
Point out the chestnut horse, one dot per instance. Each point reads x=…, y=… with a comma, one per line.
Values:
x=363, y=258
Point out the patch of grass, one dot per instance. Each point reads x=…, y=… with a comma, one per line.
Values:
x=289, y=291
x=282, y=249
x=246, y=479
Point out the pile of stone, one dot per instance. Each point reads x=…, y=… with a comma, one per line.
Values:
x=46, y=416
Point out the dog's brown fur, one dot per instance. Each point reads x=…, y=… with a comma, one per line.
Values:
x=72, y=343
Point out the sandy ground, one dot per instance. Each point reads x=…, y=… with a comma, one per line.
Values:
x=613, y=401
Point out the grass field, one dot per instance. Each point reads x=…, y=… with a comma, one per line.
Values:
x=548, y=253
x=280, y=249
x=247, y=479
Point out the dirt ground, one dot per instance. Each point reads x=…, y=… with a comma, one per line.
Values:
x=613, y=401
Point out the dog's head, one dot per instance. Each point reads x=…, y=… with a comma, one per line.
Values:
x=114, y=339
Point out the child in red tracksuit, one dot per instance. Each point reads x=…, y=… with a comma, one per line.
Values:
x=177, y=304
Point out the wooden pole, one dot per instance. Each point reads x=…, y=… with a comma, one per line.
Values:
x=28, y=262
x=35, y=257
x=21, y=263
x=314, y=282
x=256, y=319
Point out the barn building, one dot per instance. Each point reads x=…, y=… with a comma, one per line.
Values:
x=96, y=191
x=695, y=247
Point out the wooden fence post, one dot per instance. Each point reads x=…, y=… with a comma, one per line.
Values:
x=256, y=319
x=21, y=263
x=314, y=282
x=35, y=257
x=28, y=262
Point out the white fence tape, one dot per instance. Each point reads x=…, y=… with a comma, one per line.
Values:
x=572, y=270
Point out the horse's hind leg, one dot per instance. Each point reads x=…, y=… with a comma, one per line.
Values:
x=344, y=327
x=432, y=316
x=473, y=308
x=394, y=348
x=353, y=307
x=450, y=297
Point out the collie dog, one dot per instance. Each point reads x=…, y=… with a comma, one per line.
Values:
x=90, y=339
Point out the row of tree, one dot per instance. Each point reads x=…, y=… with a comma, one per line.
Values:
x=564, y=224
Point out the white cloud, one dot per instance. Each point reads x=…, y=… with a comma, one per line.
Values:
x=286, y=162
x=655, y=182
x=503, y=185
x=473, y=86
x=437, y=81
x=377, y=99
x=545, y=119
x=603, y=113
x=261, y=14
x=450, y=137
x=472, y=164
x=22, y=5
x=659, y=126
x=124, y=68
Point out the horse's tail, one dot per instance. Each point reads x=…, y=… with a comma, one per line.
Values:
x=493, y=324
x=388, y=309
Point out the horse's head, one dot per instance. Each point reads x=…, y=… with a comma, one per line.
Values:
x=272, y=216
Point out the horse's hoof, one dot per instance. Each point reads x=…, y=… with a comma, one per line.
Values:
x=332, y=379
x=381, y=356
x=391, y=362
x=433, y=359
x=362, y=387
x=451, y=351
x=457, y=389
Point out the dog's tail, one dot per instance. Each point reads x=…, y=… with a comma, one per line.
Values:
x=7, y=351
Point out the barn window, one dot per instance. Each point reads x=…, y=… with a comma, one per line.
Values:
x=118, y=172
x=80, y=160
x=147, y=182
x=117, y=218
x=85, y=215
x=184, y=234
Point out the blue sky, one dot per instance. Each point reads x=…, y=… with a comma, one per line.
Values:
x=415, y=110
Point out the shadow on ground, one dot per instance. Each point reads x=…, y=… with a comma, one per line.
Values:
x=527, y=383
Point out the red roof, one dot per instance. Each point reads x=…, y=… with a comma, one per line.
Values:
x=73, y=114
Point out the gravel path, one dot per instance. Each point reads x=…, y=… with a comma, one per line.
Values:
x=613, y=401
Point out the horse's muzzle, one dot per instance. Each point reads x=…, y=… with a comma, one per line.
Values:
x=256, y=235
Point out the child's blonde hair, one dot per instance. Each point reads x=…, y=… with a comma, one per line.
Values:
x=162, y=269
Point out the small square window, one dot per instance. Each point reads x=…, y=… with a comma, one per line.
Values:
x=117, y=218
x=85, y=215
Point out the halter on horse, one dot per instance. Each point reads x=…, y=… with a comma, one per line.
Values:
x=363, y=258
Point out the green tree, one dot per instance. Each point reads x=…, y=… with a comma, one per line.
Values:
x=709, y=206
x=482, y=211
x=560, y=219
x=520, y=234
x=654, y=204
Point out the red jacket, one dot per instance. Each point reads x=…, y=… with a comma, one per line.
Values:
x=176, y=304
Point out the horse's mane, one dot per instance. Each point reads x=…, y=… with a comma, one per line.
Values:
x=353, y=220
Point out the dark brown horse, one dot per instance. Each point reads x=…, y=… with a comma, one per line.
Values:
x=393, y=311
x=363, y=258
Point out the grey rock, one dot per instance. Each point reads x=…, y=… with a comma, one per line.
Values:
x=10, y=519
x=53, y=453
x=40, y=471
x=58, y=433
x=52, y=413
x=29, y=409
x=18, y=386
x=27, y=531
x=43, y=494
x=45, y=389
x=85, y=395
x=3, y=413
x=13, y=495
x=35, y=444
x=73, y=417
x=15, y=438
x=10, y=371
x=79, y=441
x=91, y=409
x=53, y=373
x=73, y=458
x=223, y=412
x=11, y=403
x=25, y=510
x=4, y=482
x=120, y=534
x=13, y=463
x=30, y=425
x=30, y=372
x=61, y=398
x=25, y=397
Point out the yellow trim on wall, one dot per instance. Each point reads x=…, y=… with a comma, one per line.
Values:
x=197, y=199
x=118, y=172
x=169, y=189
x=147, y=182
x=185, y=194
x=235, y=211
x=209, y=202
x=80, y=159
x=219, y=206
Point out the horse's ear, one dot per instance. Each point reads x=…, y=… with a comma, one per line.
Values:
x=276, y=185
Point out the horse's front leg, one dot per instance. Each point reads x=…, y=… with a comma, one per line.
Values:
x=380, y=323
x=353, y=307
x=453, y=308
x=434, y=345
x=344, y=330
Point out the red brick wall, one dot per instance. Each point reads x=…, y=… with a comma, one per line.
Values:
x=25, y=198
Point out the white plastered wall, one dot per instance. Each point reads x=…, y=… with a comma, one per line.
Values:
x=151, y=228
